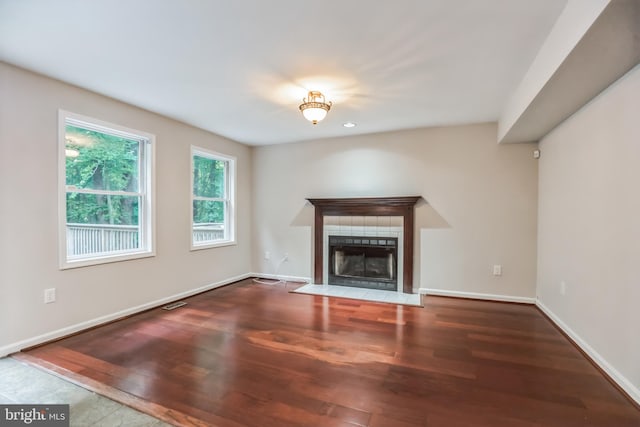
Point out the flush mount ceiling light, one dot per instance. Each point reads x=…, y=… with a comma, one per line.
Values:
x=314, y=107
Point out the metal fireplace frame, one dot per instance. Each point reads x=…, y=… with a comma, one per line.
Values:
x=388, y=245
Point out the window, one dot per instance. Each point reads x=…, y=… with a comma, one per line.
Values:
x=106, y=192
x=212, y=196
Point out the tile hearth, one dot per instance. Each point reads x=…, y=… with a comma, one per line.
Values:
x=376, y=295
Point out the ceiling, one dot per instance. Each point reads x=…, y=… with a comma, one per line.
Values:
x=240, y=68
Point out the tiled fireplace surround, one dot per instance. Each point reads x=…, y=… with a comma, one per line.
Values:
x=374, y=216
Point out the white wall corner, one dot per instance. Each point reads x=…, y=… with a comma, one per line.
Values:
x=632, y=390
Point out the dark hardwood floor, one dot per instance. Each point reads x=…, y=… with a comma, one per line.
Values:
x=256, y=355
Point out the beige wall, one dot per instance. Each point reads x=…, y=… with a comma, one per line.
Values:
x=589, y=227
x=481, y=196
x=29, y=106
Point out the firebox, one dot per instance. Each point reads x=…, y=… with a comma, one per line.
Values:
x=364, y=262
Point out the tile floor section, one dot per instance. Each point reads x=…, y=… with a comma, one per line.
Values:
x=24, y=384
x=361, y=293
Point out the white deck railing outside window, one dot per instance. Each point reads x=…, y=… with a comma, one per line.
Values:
x=85, y=239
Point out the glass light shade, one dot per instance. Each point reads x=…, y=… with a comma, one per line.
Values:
x=314, y=114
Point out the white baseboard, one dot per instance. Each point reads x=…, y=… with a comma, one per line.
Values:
x=621, y=380
x=281, y=277
x=17, y=346
x=473, y=295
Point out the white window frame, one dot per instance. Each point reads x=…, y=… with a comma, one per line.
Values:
x=230, y=192
x=147, y=191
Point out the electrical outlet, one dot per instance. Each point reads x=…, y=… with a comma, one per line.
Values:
x=49, y=295
x=563, y=288
x=497, y=270
x=267, y=255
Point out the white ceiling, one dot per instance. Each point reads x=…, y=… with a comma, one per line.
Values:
x=240, y=68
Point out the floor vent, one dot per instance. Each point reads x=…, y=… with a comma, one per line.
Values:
x=174, y=305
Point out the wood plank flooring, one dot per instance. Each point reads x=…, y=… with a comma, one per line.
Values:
x=257, y=355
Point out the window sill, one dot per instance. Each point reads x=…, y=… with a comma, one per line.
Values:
x=106, y=259
x=214, y=245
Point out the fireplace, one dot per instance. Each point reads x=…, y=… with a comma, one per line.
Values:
x=368, y=206
x=363, y=262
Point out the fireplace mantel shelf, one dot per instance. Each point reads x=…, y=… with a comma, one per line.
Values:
x=369, y=201
x=367, y=206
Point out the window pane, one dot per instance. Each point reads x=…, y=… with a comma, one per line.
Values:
x=99, y=224
x=99, y=161
x=208, y=221
x=208, y=177
x=85, y=208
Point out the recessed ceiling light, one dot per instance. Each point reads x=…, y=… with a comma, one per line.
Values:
x=349, y=125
